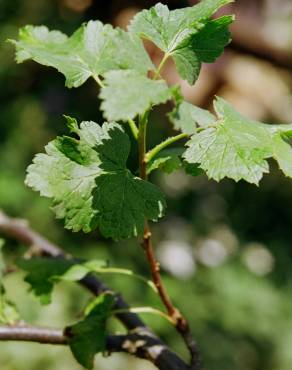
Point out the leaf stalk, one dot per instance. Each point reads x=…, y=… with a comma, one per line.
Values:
x=133, y=128
x=158, y=148
x=161, y=65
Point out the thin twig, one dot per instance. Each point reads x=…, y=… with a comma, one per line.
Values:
x=181, y=323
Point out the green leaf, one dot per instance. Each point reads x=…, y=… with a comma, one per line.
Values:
x=186, y=117
x=238, y=148
x=40, y=271
x=128, y=94
x=91, y=51
x=210, y=42
x=181, y=34
x=90, y=184
x=168, y=160
x=88, y=337
x=204, y=46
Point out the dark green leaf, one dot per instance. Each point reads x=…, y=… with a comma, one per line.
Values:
x=88, y=337
x=40, y=271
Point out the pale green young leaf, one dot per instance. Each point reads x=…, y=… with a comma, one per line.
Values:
x=80, y=270
x=238, y=148
x=175, y=32
x=128, y=94
x=88, y=337
x=91, y=51
x=90, y=184
x=186, y=117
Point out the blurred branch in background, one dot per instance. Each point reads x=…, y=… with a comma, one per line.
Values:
x=150, y=346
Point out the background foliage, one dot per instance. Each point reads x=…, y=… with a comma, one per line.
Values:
x=225, y=247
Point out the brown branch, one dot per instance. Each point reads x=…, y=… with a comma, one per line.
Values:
x=24, y=333
x=157, y=352
x=140, y=343
x=181, y=323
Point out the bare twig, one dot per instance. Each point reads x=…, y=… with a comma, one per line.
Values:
x=181, y=323
x=153, y=349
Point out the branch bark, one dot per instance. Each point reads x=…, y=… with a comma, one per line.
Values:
x=153, y=349
x=140, y=343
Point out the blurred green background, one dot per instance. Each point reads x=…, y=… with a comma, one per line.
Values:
x=225, y=248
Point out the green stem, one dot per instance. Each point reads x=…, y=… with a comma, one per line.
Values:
x=149, y=310
x=153, y=152
x=142, y=144
x=133, y=128
x=161, y=65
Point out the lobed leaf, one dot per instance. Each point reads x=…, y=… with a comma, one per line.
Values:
x=183, y=33
x=92, y=50
x=238, y=148
x=127, y=94
x=90, y=184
